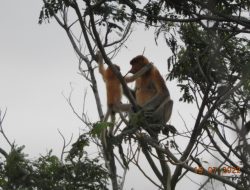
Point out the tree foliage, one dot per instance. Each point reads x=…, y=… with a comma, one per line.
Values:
x=75, y=171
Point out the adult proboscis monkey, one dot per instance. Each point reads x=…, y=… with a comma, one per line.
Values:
x=151, y=91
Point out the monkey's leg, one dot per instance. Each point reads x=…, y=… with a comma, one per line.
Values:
x=168, y=110
x=164, y=111
x=108, y=152
x=103, y=135
x=107, y=115
x=118, y=108
x=123, y=108
x=110, y=132
x=157, y=118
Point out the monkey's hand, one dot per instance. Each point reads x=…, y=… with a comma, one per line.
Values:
x=149, y=114
x=99, y=58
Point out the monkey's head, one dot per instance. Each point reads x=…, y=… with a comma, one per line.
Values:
x=110, y=73
x=117, y=67
x=137, y=63
x=114, y=65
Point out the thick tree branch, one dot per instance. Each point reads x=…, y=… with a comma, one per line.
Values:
x=107, y=60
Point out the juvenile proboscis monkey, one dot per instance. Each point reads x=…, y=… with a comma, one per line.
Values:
x=151, y=91
x=113, y=90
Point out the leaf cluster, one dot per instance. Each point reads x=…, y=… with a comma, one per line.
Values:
x=76, y=171
x=209, y=59
x=50, y=8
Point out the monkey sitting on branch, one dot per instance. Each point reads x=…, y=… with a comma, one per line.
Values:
x=151, y=92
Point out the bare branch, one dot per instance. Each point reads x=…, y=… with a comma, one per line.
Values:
x=3, y=152
x=199, y=125
x=1, y=126
x=152, y=142
x=65, y=145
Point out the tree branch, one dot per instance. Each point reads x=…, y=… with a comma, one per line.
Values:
x=222, y=179
x=3, y=152
x=198, y=127
x=107, y=60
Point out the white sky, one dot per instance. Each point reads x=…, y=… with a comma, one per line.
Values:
x=37, y=64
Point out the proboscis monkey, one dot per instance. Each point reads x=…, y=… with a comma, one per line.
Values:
x=151, y=91
x=113, y=90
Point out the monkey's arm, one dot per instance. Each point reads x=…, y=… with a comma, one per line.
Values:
x=162, y=91
x=160, y=106
x=139, y=73
x=99, y=60
x=102, y=70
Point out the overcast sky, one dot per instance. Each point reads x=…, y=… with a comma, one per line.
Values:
x=37, y=65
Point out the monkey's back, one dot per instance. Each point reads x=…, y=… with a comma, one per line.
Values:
x=113, y=88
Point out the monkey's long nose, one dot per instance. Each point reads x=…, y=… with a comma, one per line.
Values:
x=126, y=74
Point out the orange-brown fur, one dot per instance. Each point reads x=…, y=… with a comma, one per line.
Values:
x=149, y=84
x=151, y=91
x=113, y=86
x=113, y=90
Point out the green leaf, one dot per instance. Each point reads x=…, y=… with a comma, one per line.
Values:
x=99, y=127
